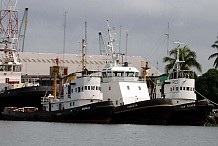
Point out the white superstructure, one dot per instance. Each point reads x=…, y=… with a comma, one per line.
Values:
x=121, y=85
x=120, y=82
x=78, y=92
x=180, y=85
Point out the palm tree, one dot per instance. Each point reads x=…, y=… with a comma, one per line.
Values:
x=215, y=45
x=185, y=54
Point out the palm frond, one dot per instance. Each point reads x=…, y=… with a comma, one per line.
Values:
x=186, y=55
x=213, y=55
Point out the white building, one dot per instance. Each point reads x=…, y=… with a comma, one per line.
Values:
x=40, y=63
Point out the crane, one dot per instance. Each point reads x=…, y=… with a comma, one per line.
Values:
x=22, y=31
x=102, y=46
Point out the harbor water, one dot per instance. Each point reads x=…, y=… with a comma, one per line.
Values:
x=21, y=133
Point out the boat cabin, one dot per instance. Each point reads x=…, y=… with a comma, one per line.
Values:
x=80, y=91
x=120, y=74
x=179, y=86
x=121, y=85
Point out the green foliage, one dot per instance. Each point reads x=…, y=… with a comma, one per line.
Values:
x=185, y=54
x=215, y=55
x=207, y=85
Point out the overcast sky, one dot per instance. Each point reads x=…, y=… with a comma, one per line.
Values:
x=192, y=22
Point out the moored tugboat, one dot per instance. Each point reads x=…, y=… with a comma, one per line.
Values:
x=133, y=105
x=82, y=101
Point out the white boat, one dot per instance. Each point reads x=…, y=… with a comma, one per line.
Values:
x=179, y=85
x=81, y=102
x=82, y=99
x=14, y=92
x=133, y=105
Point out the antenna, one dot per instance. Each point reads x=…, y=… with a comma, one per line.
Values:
x=120, y=39
x=85, y=35
x=178, y=45
x=83, y=54
x=65, y=21
x=110, y=43
x=168, y=37
x=126, y=43
x=177, y=57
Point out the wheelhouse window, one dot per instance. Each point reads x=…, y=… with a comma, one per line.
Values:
x=104, y=75
x=109, y=74
x=130, y=74
x=118, y=74
x=136, y=74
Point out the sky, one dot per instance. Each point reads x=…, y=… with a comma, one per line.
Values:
x=192, y=22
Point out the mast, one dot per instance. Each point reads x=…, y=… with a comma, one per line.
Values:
x=85, y=37
x=110, y=43
x=120, y=38
x=126, y=43
x=56, y=69
x=177, y=63
x=111, y=46
x=168, y=37
x=65, y=21
x=83, y=54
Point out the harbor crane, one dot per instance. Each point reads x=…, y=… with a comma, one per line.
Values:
x=22, y=31
x=102, y=46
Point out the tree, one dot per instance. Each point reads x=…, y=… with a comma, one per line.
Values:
x=185, y=54
x=207, y=85
x=215, y=45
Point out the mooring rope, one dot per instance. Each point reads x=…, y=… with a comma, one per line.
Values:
x=206, y=98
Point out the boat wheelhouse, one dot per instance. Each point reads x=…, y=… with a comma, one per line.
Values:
x=120, y=82
x=121, y=85
x=78, y=92
x=179, y=86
